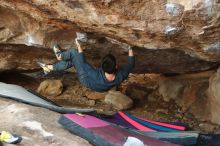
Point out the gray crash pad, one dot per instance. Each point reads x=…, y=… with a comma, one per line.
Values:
x=21, y=94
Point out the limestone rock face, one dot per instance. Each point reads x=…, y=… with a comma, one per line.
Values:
x=51, y=88
x=190, y=29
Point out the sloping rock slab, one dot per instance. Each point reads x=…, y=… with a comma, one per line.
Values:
x=37, y=126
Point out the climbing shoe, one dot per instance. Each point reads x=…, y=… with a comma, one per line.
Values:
x=44, y=67
x=10, y=138
x=57, y=51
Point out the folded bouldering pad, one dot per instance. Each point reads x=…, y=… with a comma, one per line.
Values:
x=101, y=133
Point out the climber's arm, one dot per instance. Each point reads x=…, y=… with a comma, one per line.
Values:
x=78, y=46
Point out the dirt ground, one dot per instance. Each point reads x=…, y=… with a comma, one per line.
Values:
x=147, y=104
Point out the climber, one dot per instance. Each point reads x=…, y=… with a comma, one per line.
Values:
x=98, y=79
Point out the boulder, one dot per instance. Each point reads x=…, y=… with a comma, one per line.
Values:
x=170, y=88
x=118, y=100
x=51, y=88
x=189, y=92
x=213, y=94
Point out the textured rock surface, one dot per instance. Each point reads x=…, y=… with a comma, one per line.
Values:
x=192, y=100
x=191, y=26
x=23, y=58
x=51, y=88
x=169, y=36
x=170, y=89
x=96, y=95
x=208, y=127
x=189, y=92
x=214, y=97
x=118, y=100
x=137, y=92
x=152, y=24
x=37, y=126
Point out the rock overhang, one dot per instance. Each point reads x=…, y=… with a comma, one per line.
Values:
x=169, y=36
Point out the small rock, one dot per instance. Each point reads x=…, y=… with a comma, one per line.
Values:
x=50, y=88
x=91, y=102
x=207, y=127
x=92, y=41
x=165, y=111
x=169, y=30
x=118, y=100
x=96, y=95
x=146, y=106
